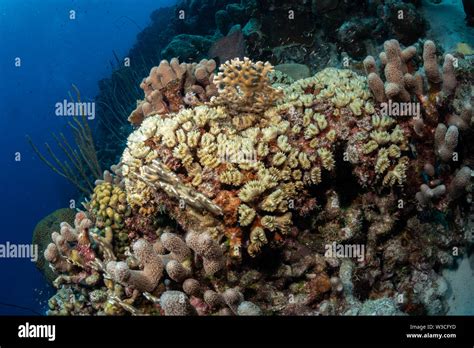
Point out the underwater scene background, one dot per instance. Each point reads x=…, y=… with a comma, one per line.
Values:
x=224, y=157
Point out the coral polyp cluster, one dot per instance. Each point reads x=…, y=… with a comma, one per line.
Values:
x=109, y=207
x=311, y=197
x=254, y=151
x=378, y=151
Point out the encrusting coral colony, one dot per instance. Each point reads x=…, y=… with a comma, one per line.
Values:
x=258, y=179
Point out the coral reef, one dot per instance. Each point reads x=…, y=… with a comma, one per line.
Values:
x=247, y=157
x=307, y=196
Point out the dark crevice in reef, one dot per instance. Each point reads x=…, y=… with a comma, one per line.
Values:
x=346, y=184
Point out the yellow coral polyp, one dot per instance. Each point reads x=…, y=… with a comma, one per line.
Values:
x=311, y=131
x=193, y=138
x=281, y=223
x=307, y=117
x=394, y=151
x=315, y=175
x=282, y=143
x=262, y=149
x=331, y=135
x=246, y=215
x=269, y=133
x=304, y=161
x=231, y=177
x=327, y=159
x=278, y=159
x=272, y=201
x=397, y=136
x=381, y=137
x=251, y=191
x=398, y=174
x=321, y=121
x=382, y=163
x=356, y=107
x=181, y=136
x=369, y=147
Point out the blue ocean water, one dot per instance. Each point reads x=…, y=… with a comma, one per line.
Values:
x=55, y=52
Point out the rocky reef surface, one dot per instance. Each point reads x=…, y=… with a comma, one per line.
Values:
x=245, y=191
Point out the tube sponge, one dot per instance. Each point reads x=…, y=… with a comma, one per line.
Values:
x=142, y=280
x=430, y=63
x=449, y=76
x=177, y=271
x=464, y=120
x=176, y=246
x=60, y=253
x=171, y=85
x=208, y=249
x=460, y=183
x=394, y=71
x=446, y=141
x=377, y=87
x=426, y=194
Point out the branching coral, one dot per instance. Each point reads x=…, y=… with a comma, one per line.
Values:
x=400, y=81
x=144, y=280
x=60, y=254
x=172, y=85
x=244, y=86
x=71, y=254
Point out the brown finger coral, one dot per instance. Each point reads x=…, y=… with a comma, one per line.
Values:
x=172, y=85
x=146, y=279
